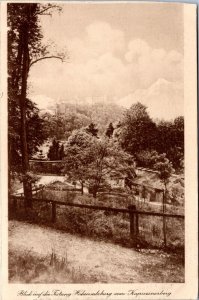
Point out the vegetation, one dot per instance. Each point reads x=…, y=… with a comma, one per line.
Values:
x=170, y=140
x=75, y=116
x=25, y=49
x=28, y=267
x=100, y=225
x=142, y=137
x=137, y=130
x=110, y=130
x=97, y=144
x=93, y=161
x=91, y=129
x=59, y=266
x=56, y=151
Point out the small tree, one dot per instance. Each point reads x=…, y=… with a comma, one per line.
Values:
x=165, y=169
x=53, y=150
x=92, y=160
x=109, y=131
x=108, y=159
x=56, y=151
x=91, y=129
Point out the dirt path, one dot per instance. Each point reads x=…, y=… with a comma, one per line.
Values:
x=105, y=261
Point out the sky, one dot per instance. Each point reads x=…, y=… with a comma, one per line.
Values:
x=120, y=52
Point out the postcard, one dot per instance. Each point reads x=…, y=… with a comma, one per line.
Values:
x=98, y=150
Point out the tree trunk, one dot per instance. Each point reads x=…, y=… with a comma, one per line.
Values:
x=95, y=190
x=24, y=146
x=9, y=169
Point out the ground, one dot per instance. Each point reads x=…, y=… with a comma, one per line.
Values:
x=96, y=261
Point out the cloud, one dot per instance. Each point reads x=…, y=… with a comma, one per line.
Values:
x=163, y=98
x=103, y=63
x=151, y=64
x=99, y=38
x=102, y=38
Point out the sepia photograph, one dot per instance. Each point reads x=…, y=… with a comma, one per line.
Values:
x=96, y=144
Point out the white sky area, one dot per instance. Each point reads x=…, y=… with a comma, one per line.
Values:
x=121, y=52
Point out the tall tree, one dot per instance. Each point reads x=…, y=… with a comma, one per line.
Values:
x=137, y=131
x=24, y=50
x=78, y=156
x=170, y=140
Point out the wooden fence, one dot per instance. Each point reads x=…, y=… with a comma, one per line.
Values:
x=131, y=210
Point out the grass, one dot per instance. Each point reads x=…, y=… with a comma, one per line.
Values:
x=103, y=225
x=28, y=267
x=147, y=266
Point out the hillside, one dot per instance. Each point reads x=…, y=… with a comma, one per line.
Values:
x=66, y=117
x=31, y=262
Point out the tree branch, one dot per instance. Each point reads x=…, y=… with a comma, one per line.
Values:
x=41, y=12
x=45, y=57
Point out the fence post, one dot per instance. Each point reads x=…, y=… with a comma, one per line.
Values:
x=133, y=224
x=53, y=212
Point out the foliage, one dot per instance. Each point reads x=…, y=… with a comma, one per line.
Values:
x=146, y=158
x=164, y=167
x=140, y=136
x=110, y=130
x=60, y=126
x=77, y=157
x=35, y=134
x=94, y=160
x=25, y=48
x=56, y=151
x=25, y=31
x=91, y=129
x=138, y=131
x=170, y=140
x=109, y=160
x=70, y=116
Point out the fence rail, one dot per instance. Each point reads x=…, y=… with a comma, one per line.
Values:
x=105, y=208
x=131, y=210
